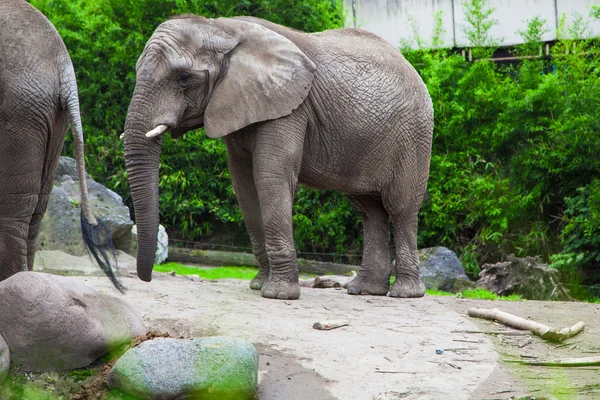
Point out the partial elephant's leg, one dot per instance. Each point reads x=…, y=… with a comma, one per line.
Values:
x=20, y=180
x=276, y=158
x=404, y=213
x=240, y=167
x=52, y=156
x=376, y=267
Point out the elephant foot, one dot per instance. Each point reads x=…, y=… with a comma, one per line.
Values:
x=259, y=280
x=407, y=287
x=362, y=285
x=280, y=290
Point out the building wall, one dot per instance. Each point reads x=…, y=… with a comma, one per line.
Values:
x=395, y=20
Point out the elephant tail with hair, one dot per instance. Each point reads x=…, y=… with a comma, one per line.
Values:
x=96, y=235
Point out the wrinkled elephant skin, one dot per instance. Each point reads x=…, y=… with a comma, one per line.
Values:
x=340, y=109
x=38, y=100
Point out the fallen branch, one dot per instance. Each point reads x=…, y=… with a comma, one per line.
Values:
x=333, y=281
x=327, y=325
x=564, y=362
x=541, y=330
x=507, y=333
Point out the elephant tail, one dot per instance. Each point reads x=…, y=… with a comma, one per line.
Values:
x=96, y=235
x=100, y=245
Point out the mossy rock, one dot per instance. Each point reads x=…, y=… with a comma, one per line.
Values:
x=219, y=368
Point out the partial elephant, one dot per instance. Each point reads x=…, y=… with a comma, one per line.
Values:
x=38, y=99
x=340, y=109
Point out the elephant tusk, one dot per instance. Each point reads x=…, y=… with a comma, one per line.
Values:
x=122, y=136
x=159, y=130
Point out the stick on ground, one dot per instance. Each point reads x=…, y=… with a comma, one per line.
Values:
x=563, y=362
x=541, y=330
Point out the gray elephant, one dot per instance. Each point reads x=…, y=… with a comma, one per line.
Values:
x=341, y=109
x=38, y=99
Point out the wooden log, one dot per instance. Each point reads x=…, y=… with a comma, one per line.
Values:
x=562, y=362
x=308, y=282
x=225, y=258
x=328, y=325
x=541, y=330
x=333, y=281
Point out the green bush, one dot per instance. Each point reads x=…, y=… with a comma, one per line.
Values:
x=514, y=166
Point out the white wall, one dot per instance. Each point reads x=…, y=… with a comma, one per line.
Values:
x=391, y=18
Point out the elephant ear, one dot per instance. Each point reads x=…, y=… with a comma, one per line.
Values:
x=266, y=77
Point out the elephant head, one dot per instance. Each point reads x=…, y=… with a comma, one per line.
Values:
x=223, y=75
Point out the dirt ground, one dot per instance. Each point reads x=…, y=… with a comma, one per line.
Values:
x=390, y=349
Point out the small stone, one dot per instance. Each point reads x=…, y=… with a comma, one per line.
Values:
x=4, y=359
x=219, y=368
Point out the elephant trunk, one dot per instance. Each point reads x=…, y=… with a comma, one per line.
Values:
x=142, y=157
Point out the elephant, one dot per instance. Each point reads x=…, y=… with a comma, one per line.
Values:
x=340, y=109
x=38, y=100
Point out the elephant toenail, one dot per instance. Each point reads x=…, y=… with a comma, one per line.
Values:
x=282, y=296
x=393, y=293
x=352, y=290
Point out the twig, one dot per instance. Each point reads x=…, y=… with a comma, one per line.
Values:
x=529, y=340
x=327, y=325
x=564, y=362
x=541, y=330
x=507, y=333
x=446, y=363
x=467, y=341
x=394, y=372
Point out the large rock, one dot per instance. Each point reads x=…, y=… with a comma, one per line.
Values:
x=527, y=277
x=162, y=245
x=211, y=368
x=442, y=270
x=4, y=359
x=60, y=228
x=60, y=263
x=57, y=323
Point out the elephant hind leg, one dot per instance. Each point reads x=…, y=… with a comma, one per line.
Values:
x=55, y=144
x=15, y=215
x=376, y=267
x=404, y=211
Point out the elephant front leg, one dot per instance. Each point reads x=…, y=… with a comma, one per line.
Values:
x=243, y=183
x=276, y=209
x=276, y=161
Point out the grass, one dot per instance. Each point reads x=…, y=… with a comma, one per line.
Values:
x=483, y=294
x=248, y=273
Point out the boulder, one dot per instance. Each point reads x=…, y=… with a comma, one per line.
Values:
x=162, y=246
x=60, y=263
x=442, y=270
x=60, y=228
x=219, y=368
x=527, y=277
x=57, y=323
x=4, y=359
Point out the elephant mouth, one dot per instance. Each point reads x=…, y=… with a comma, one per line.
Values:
x=179, y=131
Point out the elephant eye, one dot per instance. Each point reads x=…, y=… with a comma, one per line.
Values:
x=183, y=78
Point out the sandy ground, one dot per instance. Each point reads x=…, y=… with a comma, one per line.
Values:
x=388, y=351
